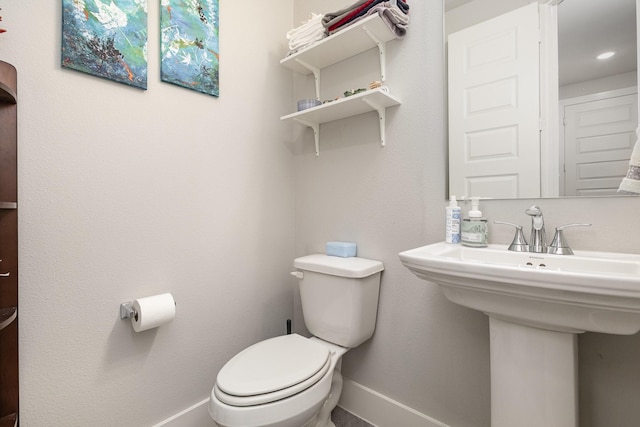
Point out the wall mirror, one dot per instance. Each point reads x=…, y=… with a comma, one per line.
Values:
x=532, y=112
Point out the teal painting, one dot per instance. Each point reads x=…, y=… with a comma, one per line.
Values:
x=189, y=44
x=106, y=39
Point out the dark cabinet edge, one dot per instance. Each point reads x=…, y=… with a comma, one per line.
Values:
x=9, y=315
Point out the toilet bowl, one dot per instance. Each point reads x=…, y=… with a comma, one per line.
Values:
x=293, y=381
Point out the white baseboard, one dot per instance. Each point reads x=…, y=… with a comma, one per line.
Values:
x=194, y=416
x=361, y=401
x=380, y=410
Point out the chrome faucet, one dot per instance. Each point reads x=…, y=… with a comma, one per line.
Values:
x=537, y=242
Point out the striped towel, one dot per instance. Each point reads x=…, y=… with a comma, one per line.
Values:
x=631, y=183
x=335, y=21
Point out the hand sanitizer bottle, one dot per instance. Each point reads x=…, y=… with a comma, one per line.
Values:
x=475, y=229
x=453, y=214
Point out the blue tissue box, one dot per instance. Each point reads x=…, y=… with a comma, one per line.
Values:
x=341, y=249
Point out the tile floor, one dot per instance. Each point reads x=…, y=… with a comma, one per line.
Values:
x=342, y=418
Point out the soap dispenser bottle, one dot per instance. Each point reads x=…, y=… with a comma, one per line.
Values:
x=452, y=222
x=475, y=228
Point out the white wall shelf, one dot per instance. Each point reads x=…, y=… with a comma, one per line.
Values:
x=369, y=33
x=360, y=103
x=357, y=38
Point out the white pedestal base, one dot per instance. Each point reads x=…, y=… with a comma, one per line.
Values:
x=533, y=376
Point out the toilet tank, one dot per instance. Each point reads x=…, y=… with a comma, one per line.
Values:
x=339, y=297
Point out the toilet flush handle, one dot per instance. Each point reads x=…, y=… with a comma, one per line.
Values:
x=298, y=274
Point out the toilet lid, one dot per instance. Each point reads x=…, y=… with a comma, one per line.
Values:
x=272, y=366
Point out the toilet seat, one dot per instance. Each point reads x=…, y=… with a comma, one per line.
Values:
x=272, y=370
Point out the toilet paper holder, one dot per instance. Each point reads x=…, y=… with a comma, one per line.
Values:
x=127, y=311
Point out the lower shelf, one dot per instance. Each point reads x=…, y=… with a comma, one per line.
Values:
x=10, y=420
x=7, y=315
x=377, y=99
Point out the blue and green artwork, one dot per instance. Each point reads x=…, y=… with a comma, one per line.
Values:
x=189, y=38
x=106, y=39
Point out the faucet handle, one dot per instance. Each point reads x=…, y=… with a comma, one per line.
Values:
x=559, y=244
x=519, y=244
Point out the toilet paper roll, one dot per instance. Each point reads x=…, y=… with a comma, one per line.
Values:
x=153, y=311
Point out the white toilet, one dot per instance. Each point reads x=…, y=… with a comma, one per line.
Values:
x=293, y=381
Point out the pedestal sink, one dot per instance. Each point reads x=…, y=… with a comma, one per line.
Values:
x=537, y=304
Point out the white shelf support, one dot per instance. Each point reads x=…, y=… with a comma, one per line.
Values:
x=316, y=132
x=316, y=74
x=381, y=50
x=382, y=117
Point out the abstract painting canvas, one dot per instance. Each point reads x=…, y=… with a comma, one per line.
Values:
x=190, y=49
x=106, y=39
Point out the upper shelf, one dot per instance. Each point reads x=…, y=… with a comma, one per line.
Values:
x=353, y=105
x=357, y=38
x=8, y=205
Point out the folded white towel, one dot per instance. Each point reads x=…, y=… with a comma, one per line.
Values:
x=307, y=33
x=300, y=42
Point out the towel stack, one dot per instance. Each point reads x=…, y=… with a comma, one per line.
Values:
x=306, y=34
x=394, y=13
x=631, y=183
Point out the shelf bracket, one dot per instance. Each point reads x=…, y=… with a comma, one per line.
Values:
x=381, y=49
x=316, y=132
x=316, y=74
x=382, y=117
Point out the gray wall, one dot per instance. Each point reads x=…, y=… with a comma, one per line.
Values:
x=427, y=352
x=127, y=193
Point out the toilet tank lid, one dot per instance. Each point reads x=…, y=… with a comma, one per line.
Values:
x=352, y=267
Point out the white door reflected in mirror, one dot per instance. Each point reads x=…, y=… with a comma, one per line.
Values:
x=493, y=154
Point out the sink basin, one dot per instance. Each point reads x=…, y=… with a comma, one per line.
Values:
x=537, y=304
x=587, y=291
